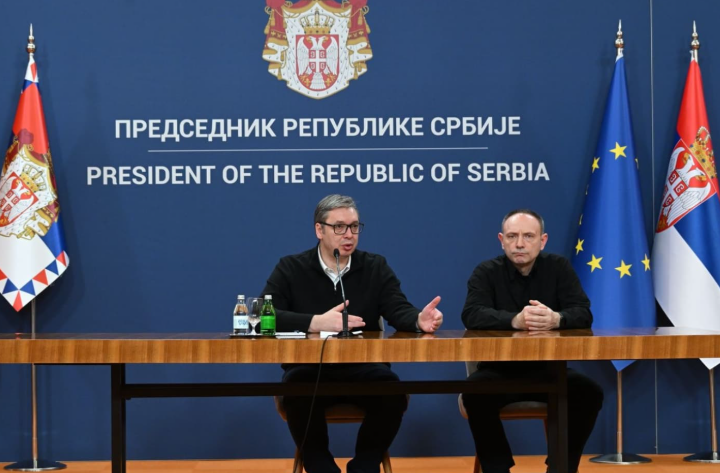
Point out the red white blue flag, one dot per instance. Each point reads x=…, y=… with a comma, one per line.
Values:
x=32, y=245
x=686, y=255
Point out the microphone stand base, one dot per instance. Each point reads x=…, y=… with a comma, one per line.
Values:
x=345, y=334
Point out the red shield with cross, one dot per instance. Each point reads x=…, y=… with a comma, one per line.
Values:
x=317, y=60
x=16, y=198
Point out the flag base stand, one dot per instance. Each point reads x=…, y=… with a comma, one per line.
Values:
x=709, y=457
x=705, y=457
x=620, y=459
x=36, y=465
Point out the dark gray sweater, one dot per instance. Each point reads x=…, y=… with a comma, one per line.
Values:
x=300, y=289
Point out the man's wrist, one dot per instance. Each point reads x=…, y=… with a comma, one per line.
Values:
x=313, y=324
x=561, y=320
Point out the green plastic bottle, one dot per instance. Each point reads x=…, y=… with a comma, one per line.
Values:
x=267, y=318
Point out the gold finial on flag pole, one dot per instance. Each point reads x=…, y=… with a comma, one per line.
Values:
x=619, y=43
x=694, y=44
x=31, y=42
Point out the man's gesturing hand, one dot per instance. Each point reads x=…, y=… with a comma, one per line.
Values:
x=430, y=319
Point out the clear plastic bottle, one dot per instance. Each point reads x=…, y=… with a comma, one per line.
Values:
x=240, y=317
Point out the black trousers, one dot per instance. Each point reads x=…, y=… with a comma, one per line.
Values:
x=383, y=415
x=585, y=398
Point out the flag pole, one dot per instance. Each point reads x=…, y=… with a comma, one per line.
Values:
x=620, y=458
x=634, y=305
x=705, y=457
x=35, y=464
x=709, y=457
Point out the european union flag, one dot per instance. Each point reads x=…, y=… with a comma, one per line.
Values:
x=611, y=255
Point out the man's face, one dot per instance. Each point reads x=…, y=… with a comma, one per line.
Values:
x=521, y=240
x=347, y=242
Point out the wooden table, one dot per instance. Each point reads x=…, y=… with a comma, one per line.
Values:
x=556, y=347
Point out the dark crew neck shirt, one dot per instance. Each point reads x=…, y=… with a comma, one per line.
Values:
x=497, y=292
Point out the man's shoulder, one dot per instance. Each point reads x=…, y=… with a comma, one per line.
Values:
x=492, y=265
x=306, y=258
x=362, y=258
x=554, y=259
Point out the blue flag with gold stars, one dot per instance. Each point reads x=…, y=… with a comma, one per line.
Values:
x=611, y=255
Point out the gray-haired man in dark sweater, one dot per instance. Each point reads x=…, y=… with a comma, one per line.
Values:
x=307, y=297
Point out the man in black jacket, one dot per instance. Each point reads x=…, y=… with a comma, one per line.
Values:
x=307, y=297
x=526, y=290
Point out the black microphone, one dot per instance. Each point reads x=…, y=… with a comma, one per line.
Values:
x=344, y=333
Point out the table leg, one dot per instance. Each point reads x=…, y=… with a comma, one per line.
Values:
x=117, y=421
x=557, y=417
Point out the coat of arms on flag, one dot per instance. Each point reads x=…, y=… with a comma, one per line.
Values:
x=317, y=46
x=690, y=179
x=687, y=260
x=32, y=244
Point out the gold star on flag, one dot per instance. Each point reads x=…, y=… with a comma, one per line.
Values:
x=646, y=262
x=581, y=216
x=579, y=247
x=618, y=150
x=596, y=164
x=595, y=263
x=624, y=269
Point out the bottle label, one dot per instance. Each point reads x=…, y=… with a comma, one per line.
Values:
x=267, y=324
x=240, y=323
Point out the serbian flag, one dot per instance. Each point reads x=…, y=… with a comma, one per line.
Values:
x=611, y=253
x=686, y=255
x=32, y=245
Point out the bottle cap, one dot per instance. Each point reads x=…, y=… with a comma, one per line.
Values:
x=240, y=296
x=268, y=297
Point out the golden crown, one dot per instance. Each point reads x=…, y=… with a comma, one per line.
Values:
x=317, y=24
x=704, y=152
x=33, y=178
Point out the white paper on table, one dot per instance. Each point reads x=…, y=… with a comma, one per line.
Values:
x=290, y=334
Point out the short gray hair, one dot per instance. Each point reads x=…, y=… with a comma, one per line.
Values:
x=529, y=212
x=332, y=202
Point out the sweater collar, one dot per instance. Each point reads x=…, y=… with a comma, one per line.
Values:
x=314, y=255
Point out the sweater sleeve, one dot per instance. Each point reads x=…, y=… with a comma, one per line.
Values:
x=574, y=303
x=394, y=306
x=279, y=286
x=479, y=312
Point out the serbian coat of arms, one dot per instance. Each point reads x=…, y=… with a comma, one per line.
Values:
x=317, y=46
x=28, y=199
x=691, y=181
